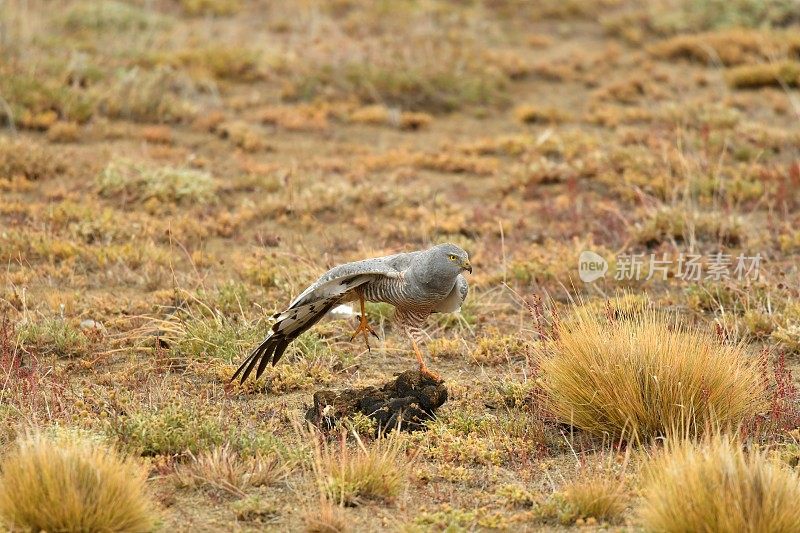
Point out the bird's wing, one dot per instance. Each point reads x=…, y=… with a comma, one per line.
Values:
x=452, y=302
x=347, y=274
x=312, y=304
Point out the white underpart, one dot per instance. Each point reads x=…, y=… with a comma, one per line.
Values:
x=452, y=302
x=342, y=311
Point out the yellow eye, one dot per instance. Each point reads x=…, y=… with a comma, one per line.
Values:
x=452, y=257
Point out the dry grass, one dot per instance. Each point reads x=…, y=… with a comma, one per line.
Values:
x=369, y=473
x=326, y=518
x=731, y=47
x=779, y=74
x=211, y=7
x=133, y=182
x=28, y=159
x=716, y=486
x=178, y=170
x=598, y=495
x=108, y=15
x=72, y=484
x=223, y=469
x=159, y=95
x=646, y=375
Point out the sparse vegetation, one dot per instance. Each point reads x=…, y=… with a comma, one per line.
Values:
x=173, y=173
x=53, y=336
x=132, y=182
x=223, y=469
x=168, y=430
x=27, y=159
x=109, y=15
x=159, y=95
x=352, y=475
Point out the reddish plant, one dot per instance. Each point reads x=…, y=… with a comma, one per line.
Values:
x=784, y=413
x=33, y=390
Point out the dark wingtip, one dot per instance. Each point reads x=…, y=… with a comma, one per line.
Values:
x=261, y=353
x=241, y=367
x=279, y=349
x=266, y=355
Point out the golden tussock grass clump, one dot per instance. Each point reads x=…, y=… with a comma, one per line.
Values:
x=598, y=491
x=645, y=374
x=297, y=117
x=380, y=115
x=531, y=114
x=64, y=132
x=211, y=7
x=369, y=473
x=230, y=63
x=411, y=121
x=779, y=74
x=716, y=486
x=243, y=135
x=596, y=496
x=730, y=47
x=72, y=484
x=28, y=159
x=375, y=115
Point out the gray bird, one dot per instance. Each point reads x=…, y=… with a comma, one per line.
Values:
x=416, y=284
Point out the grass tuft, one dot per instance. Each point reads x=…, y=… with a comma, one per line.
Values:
x=37, y=102
x=781, y=74
x=694, y=15
x=716, y=486
x=223, y=469
x=159, y=95
x=596, y=496
x=327, y=518
x=645, y=376
x=218, y=8
x=72, y=484
x=53, y=336
x=443, y=79
x=170, y=430
x=29, y=160
x=109, y=15
x=140, y=183
x=351, y=477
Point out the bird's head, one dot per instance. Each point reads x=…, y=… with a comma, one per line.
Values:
x=452, y=258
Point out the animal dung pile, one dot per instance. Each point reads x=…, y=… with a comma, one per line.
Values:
x=407, y=402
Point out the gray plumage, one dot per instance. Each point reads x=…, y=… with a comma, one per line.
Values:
x=416, y=283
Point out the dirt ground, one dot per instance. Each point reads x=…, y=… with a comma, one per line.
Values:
x=172, y=173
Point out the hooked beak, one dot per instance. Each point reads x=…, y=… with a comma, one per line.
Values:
x=466, y=265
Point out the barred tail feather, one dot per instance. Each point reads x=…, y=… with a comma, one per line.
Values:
x=283, y=333
x=262, y=353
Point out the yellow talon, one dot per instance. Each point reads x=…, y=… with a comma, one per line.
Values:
x=363, y=325
x=423, y=368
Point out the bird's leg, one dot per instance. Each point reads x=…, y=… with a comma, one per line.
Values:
x=363, y=325
x=423, y=368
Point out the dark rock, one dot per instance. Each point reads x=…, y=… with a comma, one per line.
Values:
x=409, y=400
